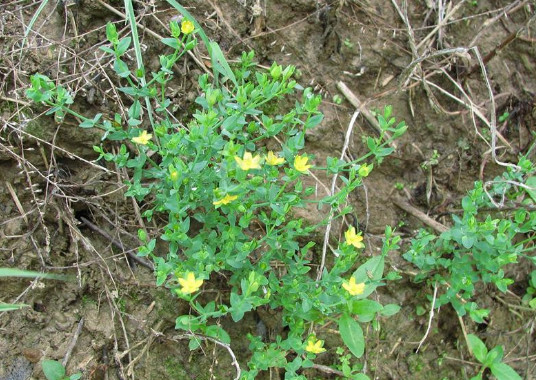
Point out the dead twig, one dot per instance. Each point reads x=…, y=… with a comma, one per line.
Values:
x=326, y=369
x=118, y=244
x=430, y=318
x=16, y=200
x=73, y=342
x=353, y=99
x=440, y=228
x=226, y=346
x=332, y=192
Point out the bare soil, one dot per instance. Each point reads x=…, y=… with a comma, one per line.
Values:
x=63, y=212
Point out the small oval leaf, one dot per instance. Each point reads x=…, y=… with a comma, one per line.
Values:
x=352, y=335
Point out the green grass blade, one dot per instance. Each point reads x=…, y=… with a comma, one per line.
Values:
x=219, y=62
x=11, y=306
x=13, y=272
x=32, y=22
x=129, y=10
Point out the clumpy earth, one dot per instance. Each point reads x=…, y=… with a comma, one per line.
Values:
x=63, y=212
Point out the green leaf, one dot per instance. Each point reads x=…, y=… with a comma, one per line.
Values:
x=90, y=123
x=468, y=241
x=365, y=307
x=360, y=376
x=121, y=68
x=504, y=372
x=390, y=309
x=239, y=307
x=194, y=343
x=187, y=323
x=123, y=45
x=53, y=370
x=111, y=32
x=494, y=355
x=372, y=269
x=531, y=182
x=477, y=347
x=314, y=121
x=352, y=335
x=219, y=333
x=478, y=315
x=171, y=42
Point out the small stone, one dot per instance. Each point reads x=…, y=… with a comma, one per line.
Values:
x=33, y=355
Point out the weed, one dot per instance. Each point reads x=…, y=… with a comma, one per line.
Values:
x=54, y=370
x=337, y=99
x=503, y=117
x=214, y=180
x=348, y=43
x=491, y=359
x=478, y=247
x=230, y=203
x=530, y=297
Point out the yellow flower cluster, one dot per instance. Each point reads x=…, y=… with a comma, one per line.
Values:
x=249, y=161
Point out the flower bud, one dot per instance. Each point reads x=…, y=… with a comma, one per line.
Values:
x=275, y=71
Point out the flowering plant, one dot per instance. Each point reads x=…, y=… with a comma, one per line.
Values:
x=230, y=203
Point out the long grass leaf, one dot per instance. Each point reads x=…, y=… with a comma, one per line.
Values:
x=13, y=272
x=220, y=63
x=11, y=306
x=131, y=17
x=32, y=22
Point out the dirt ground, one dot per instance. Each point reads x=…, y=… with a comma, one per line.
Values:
x=63, y=212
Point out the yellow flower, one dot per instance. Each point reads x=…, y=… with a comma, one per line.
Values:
x=143, y=138
x=225, y=200
x=352, y=238
x=174, y=175
x=353, y=288
x=190, y=284
x=314, y=345
x=187, y=26
x=272, y=159
x=300, y=163
x=248, y=162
